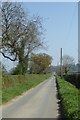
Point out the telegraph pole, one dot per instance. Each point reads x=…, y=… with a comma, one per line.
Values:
x=61, y=71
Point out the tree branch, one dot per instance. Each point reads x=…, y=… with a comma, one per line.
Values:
x=8, y=57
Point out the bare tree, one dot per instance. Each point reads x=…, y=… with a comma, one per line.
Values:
x=20, y=36
x=67, y=62
x=12, y=20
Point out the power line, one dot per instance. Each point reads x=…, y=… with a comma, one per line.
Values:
x=72, y=21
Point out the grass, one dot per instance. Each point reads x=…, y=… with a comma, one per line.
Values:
x=69, y=99
x=15, y=85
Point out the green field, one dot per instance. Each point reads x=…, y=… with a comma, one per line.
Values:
x=69, y=99
x=14, y=85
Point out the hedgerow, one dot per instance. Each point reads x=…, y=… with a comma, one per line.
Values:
x=69, y=96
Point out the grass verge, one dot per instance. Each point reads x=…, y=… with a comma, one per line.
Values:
x=69, y=99
x=0, y=96
x=31, y=81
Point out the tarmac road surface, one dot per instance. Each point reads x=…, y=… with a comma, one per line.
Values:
x=39, y=102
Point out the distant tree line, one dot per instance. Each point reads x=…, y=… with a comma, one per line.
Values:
x=68, y=66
